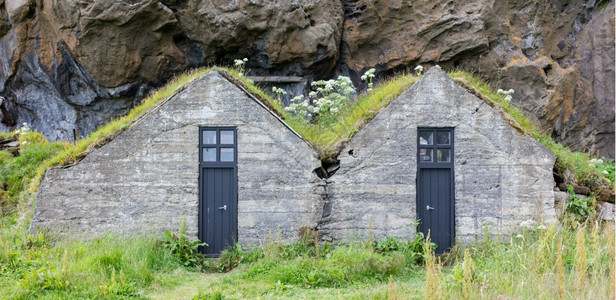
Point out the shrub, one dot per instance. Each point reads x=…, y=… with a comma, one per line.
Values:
x=576, y=209
x=185, y=251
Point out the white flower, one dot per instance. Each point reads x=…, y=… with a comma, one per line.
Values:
x=419, y=68
x=542, y=227
x=519, y=236
x=24, y=142
x=500, y=91
x=605, y=172
x=527, y=224
x=599, y=161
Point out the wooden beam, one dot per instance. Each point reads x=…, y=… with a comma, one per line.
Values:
x=277, y=79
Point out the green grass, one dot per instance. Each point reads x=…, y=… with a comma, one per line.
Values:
x=109, y=267
x=16, y=171
x=532, y=264
x=325, y=138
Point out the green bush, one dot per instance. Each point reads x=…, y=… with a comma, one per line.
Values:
x=185, y=251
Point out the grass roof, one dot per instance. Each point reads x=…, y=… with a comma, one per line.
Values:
x=24, y=173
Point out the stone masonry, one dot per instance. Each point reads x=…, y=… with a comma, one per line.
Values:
x=502, y=177
x=146, y=180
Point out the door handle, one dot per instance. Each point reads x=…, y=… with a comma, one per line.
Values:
x=223, y=207
x=428, y=207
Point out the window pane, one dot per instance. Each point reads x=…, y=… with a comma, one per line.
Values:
x=425, y=137
x=209, y=137
x=425, y=155
x=442, y=137
x=226, y=137
x=442, y=155
x=226, y=154
x=209, y=154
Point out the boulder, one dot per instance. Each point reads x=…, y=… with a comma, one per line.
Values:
x=605, y=195
x=605, y=211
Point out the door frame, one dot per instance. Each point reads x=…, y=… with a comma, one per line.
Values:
x=203, y=166
x=436, y=165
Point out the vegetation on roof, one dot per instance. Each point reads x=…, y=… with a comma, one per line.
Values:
x=21, y=175
x=588, y=171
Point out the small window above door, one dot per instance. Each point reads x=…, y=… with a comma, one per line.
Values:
x=218, y=146
x=435, y=147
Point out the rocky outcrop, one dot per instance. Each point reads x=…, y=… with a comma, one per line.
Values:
x=73, y=64
x=558, y=56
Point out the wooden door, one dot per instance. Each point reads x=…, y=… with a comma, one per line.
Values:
x=217, y=189
x=435, y=185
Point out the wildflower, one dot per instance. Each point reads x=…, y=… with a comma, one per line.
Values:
x=542, y=227
x=507, y=94
x=519, y=236
x=419, y=70
x=368, y=76
x=527, y=224
x=605, y=172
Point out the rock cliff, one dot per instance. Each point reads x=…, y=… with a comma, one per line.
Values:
x=68, y=64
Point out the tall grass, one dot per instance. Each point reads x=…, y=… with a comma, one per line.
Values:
x=36, y=266
x=540, y=264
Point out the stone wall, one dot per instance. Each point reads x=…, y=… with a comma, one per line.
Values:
x=502, y=177
x=146, y=179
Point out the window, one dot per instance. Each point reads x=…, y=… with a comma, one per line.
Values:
x=435, y=146
x=218, y=145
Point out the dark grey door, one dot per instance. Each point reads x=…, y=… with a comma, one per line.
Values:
x=435, y=185
x=217, y=188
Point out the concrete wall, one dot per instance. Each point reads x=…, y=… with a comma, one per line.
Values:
x=146, y=179
x=501, y=176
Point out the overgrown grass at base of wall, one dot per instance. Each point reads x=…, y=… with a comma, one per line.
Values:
x=108, y=267
x=539, y=263
x=535, y=263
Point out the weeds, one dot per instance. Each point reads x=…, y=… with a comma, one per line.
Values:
x=185, y=251
x=433, y=272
